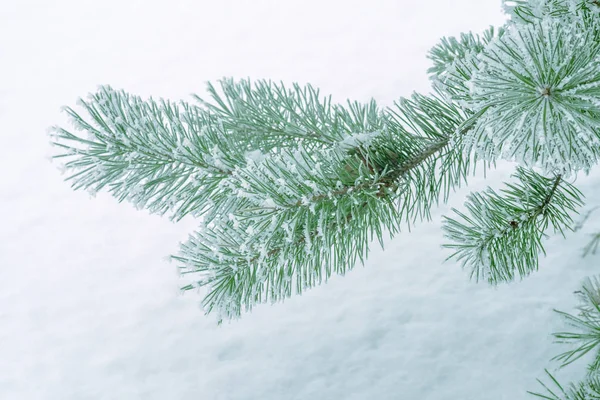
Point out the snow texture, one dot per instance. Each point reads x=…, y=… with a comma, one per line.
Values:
x=89, y=309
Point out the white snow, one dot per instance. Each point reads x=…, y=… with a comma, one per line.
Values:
x=90, y=309
x=357, y=139
x=255, y=156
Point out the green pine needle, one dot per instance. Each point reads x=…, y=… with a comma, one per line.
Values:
x=588, y=389
x=501, y=237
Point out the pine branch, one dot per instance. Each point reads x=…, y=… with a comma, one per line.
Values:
x=285, y=239
x=588, y=389
x=533, y=11
x=267, y=110
x=502, y=236
x=539, y=85
x=587, y=327
x=186, y=159
x=171, y=157
x=452, y=52
x=308, y=213
x=155, y=154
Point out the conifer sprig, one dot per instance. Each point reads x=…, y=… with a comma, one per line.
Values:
x=585, y=12
x=159, y=155
x=171, y=157
x=454, y=60
x=290, y=187
x=501, y=237
x=540, y=87
x=305, y=214
x=585, y=336
x=270, y=112
x=588, y=389
x=586, y=333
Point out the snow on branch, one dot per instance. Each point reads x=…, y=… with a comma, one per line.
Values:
x=501, y=237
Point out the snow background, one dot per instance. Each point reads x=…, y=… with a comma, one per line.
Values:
x=89, y=308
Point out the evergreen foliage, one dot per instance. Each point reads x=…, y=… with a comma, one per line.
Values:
x=586, y=325
x=283, y=207
x=290, y=188
x=584, y=338
x=584, y=390
x=502, y=236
